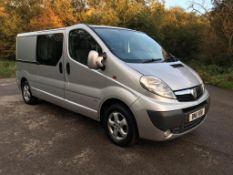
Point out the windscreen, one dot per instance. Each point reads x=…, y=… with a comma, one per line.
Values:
x=132, y=46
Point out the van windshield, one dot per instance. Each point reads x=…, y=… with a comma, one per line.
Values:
x=132, y=46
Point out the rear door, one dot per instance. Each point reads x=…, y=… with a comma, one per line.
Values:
x=50, y=75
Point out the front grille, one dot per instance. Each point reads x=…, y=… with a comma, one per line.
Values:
x=190, y=94
x=185, y=97
x=187, y=126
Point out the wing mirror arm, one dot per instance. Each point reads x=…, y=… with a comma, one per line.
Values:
x=104, y=56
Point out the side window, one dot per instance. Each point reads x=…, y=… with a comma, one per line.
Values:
x=49, y=49
x=80, y=44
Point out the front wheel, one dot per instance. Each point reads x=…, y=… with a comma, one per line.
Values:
x=120, y=125
x=27, y=95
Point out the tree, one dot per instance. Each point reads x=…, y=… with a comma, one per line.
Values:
x=65, y=11
x=46, y=20
x=218, y=38
x=183, y=33
x=188, y=35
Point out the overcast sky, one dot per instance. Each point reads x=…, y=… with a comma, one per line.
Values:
x=186, y=3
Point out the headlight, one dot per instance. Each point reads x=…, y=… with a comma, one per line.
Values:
x=156, y=86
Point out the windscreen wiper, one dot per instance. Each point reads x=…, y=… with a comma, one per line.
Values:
x=152, y=60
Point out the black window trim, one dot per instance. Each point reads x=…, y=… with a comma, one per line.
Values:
x=44, y=34
x=68, y=38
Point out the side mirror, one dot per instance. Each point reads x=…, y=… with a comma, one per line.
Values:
x=94, y=61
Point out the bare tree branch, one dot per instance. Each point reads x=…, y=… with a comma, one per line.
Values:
x=194, y=5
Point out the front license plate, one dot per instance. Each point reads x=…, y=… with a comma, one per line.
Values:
x=197, y=114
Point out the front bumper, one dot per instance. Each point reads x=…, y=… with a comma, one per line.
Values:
x=177, y=121
x=160, y=121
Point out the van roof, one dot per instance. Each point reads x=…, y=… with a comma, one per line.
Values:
x=40, y=32
x=105, y=26
x=62, y=29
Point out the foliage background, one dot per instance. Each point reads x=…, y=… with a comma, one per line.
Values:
x=199, y=39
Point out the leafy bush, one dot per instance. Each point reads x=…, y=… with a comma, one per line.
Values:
x=215, y=75
x=7, y=69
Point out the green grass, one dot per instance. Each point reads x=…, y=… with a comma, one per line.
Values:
x=215, y=75
x=7, y=69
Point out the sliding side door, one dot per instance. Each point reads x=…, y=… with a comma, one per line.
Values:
x=50, y=74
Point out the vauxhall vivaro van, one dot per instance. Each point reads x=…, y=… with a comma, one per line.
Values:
x=118, y=76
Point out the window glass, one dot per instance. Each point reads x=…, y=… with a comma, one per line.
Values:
x=133, y=47
x=49, y=49
x=80, y=44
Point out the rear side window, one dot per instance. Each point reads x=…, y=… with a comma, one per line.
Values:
x=49, y=49
x=80, y=44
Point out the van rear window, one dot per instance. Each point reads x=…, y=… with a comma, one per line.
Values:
x=49, y=49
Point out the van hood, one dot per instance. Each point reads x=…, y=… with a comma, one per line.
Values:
x=176, y=74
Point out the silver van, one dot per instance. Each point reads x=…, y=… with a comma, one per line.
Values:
x=118, y=76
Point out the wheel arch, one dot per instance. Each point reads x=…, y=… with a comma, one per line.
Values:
x=107, y=103
x=112, y=95
x=112, y=101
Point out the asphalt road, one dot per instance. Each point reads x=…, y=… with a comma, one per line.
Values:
x=46, y=139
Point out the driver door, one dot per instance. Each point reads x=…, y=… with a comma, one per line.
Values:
x=83, y=85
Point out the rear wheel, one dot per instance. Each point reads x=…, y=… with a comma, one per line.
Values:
x=27, y=95
x=120, y=125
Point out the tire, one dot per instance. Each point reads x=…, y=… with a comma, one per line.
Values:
x=27, y=95
x=120, y=125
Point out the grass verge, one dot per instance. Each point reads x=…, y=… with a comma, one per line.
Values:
x=7, y=69
x=215, y=75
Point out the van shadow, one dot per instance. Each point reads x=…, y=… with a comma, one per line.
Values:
x=86, y=124
x=59, y=115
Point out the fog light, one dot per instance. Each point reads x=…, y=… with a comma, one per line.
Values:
x=167, y=134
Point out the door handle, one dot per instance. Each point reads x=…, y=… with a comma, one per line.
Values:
x=60, y=68
x=68, y=68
